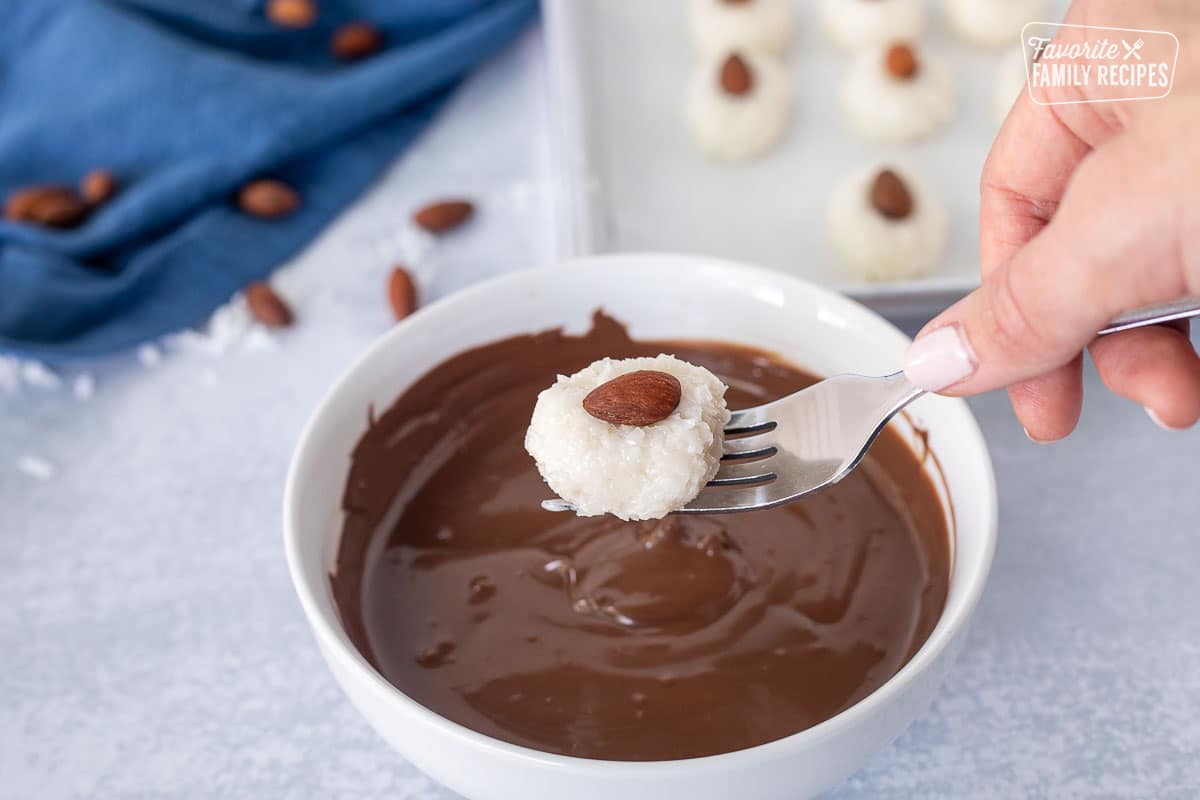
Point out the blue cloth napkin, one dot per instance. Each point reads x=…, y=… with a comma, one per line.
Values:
x=185, y=101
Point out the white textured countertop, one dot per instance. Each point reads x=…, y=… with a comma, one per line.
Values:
x=151, y=645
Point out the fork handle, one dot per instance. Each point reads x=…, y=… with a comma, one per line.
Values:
x=900, y=393
x=1154, y=315
x=904, y=392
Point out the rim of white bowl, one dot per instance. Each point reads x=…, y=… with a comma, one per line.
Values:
x=337, y=642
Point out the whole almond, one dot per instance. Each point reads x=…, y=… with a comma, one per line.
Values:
x=639, y=398
x=444, y=215
x=901, y=62
x=98, y=186
x=18, y=204
x=292, y=13
x=890, y=196
x=736, y=78
x=53, y=206
x=269, y=199
x=401, y=292
x=268, y=307
x=61, y=209
x=355, y=40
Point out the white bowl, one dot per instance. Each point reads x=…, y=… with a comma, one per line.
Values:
x=658, y=296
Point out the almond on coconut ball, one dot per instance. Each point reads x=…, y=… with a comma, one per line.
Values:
x=739, y=104
x=886, y=224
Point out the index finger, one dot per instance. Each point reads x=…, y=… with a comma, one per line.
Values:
x=1023, y=180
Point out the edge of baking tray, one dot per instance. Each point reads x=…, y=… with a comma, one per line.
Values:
x=569, y=174
x=573, y=191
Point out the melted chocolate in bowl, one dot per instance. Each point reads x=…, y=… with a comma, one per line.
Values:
x=593, y=637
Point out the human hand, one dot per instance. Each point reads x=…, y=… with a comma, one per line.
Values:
x=1087, y=211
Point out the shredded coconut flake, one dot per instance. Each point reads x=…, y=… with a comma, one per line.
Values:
x=36, y=467
x=84, y=386
x=149, y=355
x=259, y=339
x=10, y=374
x=38, y=374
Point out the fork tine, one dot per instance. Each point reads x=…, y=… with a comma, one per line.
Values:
x=760, y=444
x=749, y=420
x=557, y=504
x=740, y=472
x=727, y=498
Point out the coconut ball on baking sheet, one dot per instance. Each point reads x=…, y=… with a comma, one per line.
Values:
x=637, y=438
x=738, y=105
x=855, y=24
x=719, y=26
x=992, y=23
x=887, y=225
x=896, y=94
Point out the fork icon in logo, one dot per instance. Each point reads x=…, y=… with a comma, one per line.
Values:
x=1131, y=50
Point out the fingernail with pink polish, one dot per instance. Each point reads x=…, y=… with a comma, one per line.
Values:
x=1031, y=438
x=1158, y=421
x=939, y=359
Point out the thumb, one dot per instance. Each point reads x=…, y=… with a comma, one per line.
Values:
x=1114, y=245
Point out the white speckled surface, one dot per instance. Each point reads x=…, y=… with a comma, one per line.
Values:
x=151, y=646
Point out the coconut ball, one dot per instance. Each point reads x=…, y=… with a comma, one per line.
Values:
x=1011, y=80
x=855, y=24
x=992, y=23
x=719, y=26
x=886, y=224
x=636, y=438
x=895, y=95
x=738, y=105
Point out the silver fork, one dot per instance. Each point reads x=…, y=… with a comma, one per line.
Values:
x=799, y=444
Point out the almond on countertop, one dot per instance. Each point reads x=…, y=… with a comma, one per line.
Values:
x=444, y=215
x=268, y=307
x=269, y=199
x=402, y=292
x=638, y=398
